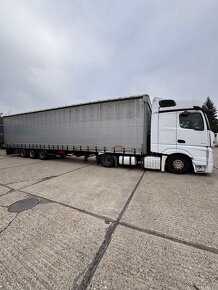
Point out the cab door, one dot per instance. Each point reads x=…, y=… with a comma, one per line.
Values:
x=191, y=129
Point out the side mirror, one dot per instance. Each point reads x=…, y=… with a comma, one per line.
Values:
x=205, y=109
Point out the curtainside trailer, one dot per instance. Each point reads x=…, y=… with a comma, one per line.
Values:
x=125, y=131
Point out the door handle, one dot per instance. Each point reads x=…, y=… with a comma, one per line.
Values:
x=181, y=141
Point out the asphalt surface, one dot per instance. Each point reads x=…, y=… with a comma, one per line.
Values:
x=67, y=224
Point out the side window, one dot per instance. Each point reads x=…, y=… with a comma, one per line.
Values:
x=193, y=121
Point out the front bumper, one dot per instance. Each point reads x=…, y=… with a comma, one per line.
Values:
x=204, y=167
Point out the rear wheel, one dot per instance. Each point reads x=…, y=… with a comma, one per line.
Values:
x=178, y=164
x=23, y=153
x=43, y=154
x=107, y=160
x=33, y=154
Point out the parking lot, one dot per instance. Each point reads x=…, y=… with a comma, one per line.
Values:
x=98, y=228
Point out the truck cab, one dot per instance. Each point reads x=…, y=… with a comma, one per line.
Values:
x=181, y=134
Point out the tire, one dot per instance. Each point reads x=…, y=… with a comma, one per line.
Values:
x=23, y=153
x=107, y=160
x=43, y=154
x=33, y=154
x=179, y=164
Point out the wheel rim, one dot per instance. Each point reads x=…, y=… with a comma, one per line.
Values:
x=32, y=154
x=178, y=164
x=107, y=160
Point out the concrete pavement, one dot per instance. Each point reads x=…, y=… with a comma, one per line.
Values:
x=98, y=228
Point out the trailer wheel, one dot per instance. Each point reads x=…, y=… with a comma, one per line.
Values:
x=107, y=160
x=33, y=154
x=178, y=164
x=23, y=153
x=43, y=155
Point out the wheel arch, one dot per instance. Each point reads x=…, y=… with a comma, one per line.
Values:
x=169, y=152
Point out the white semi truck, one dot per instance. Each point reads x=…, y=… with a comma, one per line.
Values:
x=169, y=135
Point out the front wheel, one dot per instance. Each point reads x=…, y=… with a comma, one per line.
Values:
x=178, y=164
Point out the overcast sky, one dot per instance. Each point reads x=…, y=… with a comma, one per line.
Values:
x=55, y=53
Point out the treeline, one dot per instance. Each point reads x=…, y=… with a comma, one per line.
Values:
x=212, y=114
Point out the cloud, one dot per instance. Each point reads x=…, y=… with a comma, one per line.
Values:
x=57, y=53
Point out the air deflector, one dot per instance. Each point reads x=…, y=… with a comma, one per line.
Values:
x=167, y=103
